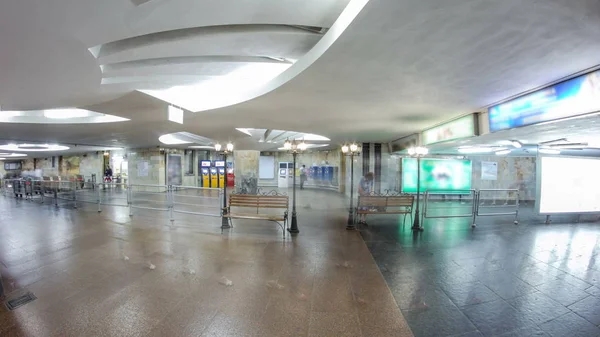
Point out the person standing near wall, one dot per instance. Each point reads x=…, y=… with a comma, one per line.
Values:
x=303, y=176
x=365, y=187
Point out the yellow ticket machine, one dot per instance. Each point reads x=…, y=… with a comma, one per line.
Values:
x=220, y=165
x=205, y=173
x=214, y=177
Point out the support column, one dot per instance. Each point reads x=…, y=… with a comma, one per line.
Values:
x=245, y=164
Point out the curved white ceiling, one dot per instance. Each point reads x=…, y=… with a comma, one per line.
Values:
x=49, y=65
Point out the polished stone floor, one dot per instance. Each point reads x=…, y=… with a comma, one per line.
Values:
x=497, y=280
x=106, y=274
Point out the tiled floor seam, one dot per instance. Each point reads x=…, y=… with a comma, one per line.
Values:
x=383, y=278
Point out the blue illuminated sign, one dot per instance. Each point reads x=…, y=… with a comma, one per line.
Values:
x=577, y=96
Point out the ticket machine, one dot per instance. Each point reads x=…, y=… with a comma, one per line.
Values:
x=316, y=174
x=291, y=173
x=283, y=175
x=214, y=176
x=220, y=165
x=205, y=173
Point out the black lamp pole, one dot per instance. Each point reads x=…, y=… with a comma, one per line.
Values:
x=418, y=152
x=351, y=151
x=294, y=227
x=416, y=223
x=224, y=221
x=350, y=224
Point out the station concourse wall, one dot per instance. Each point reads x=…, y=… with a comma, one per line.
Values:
x=309, y=158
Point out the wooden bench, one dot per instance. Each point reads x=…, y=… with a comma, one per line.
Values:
x=258, y=203
x=397, y=204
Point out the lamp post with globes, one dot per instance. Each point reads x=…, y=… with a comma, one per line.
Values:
x=417, y=152
x=228, y=149
x=351, y=151
x=294, y=148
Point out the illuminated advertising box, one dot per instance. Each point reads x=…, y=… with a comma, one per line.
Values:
x=577, y=96
x=568, y=185
x=463, y=127
x=437, y=175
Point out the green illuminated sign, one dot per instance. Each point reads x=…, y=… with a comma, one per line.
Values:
x=437, y=175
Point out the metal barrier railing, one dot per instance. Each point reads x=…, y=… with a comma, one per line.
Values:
x=65, y=192
x=149, y=197
x=450, y=204
x=111, y=194
x=165, y=198
x=471, y=204
x=196, y=200
x=498, y=202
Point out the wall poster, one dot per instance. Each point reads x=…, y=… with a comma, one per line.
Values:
x=142, y=169
x=489, y=170
x=174, y=170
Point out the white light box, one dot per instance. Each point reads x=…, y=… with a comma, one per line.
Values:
x=568, y=185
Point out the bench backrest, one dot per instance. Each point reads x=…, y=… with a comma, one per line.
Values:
x=401, y=201
x=386, y=201
x=259, y=201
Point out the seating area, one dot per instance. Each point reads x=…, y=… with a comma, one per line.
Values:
x=256, y=207
x=385, y=204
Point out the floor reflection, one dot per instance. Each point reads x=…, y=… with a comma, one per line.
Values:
x=497, y=280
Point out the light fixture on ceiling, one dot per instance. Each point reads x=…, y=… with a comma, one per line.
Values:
x=66, y=113
x=244, y=130
x=175, y=114
x=516, y=144
x=545, y=150
x=33, y=147
x=476, y=149
x=204, y=147
x=548, y=142
x=418, y=151
x=58, y=116
x=172, y=139
x=4, y=156
x=503, y=152
x=572, y=146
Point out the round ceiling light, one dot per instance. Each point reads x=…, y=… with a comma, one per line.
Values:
x=33, y=147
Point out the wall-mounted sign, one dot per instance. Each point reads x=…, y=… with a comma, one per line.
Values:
x=12, y=166
x=143, y=168
x=489, y=170
x=404, y=143
x=463, y=127
x=577, y=96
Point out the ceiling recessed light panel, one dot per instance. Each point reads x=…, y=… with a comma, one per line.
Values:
x=280, y=136
x=33, y=147
x=179, y=138
x=220, y=91
x=4, y=156
x=175, y=114
x=58, y=116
